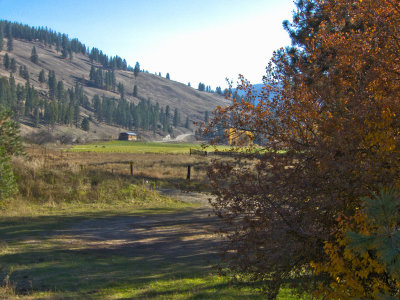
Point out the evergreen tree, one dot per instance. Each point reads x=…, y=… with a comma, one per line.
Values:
x=60, y=91
x=1, y=37
x=23, y=72
x=34, y=55
x=6, y=61
x=167, y=76
x=135, y=91
x=85, y=125
x=8, y=184
x=218, y=90
x=187, y=124
x=36, y=116
x=121, y=90
x=189, y=84
x=92, y=73
x=136, y=70
x=201, y=87
x=65, y=46
x=10, y=45
x=52, y=82
x=206, y=118
x=42, y=76
x=176, y=119
x=13, y=65
x=76, y=114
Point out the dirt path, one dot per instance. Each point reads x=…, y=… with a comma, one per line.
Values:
x=166, y=236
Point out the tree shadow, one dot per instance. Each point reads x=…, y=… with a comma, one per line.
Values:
x=82, y=256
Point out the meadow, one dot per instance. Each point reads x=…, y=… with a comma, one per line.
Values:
x=82, y=226
x=142, y=147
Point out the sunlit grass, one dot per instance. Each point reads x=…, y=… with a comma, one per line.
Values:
x=141, y=147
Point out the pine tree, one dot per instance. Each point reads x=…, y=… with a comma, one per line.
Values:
x=167, y=76
x=136, y=70
x=23, y=72
x=176, y=119
x=8, y=184
x=1, y=37
x=36, y=116
x=10, y=46
x=60, y=90
x=6, y=61
x=201, y=87
x=52, y=82
x=206, y=116
x=92, y=73
x=121, y=90
x=77, y=111
x=135, y=91
x=13, y=65
x=42, y=76
x=34, y=55
x=85, y=125
x=187, y=124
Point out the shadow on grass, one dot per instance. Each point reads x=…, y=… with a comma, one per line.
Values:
x=138, y=256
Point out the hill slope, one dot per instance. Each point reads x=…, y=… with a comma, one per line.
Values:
x=191, y=103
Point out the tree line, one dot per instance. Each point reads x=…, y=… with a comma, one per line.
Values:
x=60, y=41
x=62, y=106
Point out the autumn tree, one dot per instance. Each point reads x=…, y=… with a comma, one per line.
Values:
x=327, y=127
x=364, y=257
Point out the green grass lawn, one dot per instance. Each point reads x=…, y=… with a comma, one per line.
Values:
x=141, y=147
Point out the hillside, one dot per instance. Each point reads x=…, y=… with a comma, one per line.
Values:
x=190, y=102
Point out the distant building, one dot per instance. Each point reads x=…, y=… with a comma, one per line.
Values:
x=127, y=136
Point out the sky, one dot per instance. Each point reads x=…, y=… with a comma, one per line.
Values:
x=193, y=40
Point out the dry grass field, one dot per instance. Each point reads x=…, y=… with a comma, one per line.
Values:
x=82, y=227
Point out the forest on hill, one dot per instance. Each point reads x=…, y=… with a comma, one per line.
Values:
x=51, y=80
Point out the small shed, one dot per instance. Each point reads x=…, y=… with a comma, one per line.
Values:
x=127, y=136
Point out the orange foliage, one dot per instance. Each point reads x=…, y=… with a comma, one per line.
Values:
x=353, y=276
x=328, y=118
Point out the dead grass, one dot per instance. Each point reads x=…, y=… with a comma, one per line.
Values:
x=151, y=169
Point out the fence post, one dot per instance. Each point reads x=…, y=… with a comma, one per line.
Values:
x=188, y=173
x=131, y=164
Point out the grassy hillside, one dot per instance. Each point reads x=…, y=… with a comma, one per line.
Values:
x=190, y=102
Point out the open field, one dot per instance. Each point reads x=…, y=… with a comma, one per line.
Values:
x=83, y=227
x=141, y=147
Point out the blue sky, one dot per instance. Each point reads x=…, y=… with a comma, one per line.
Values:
x=194, y=40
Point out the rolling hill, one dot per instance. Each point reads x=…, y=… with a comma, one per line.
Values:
x=190, y=102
